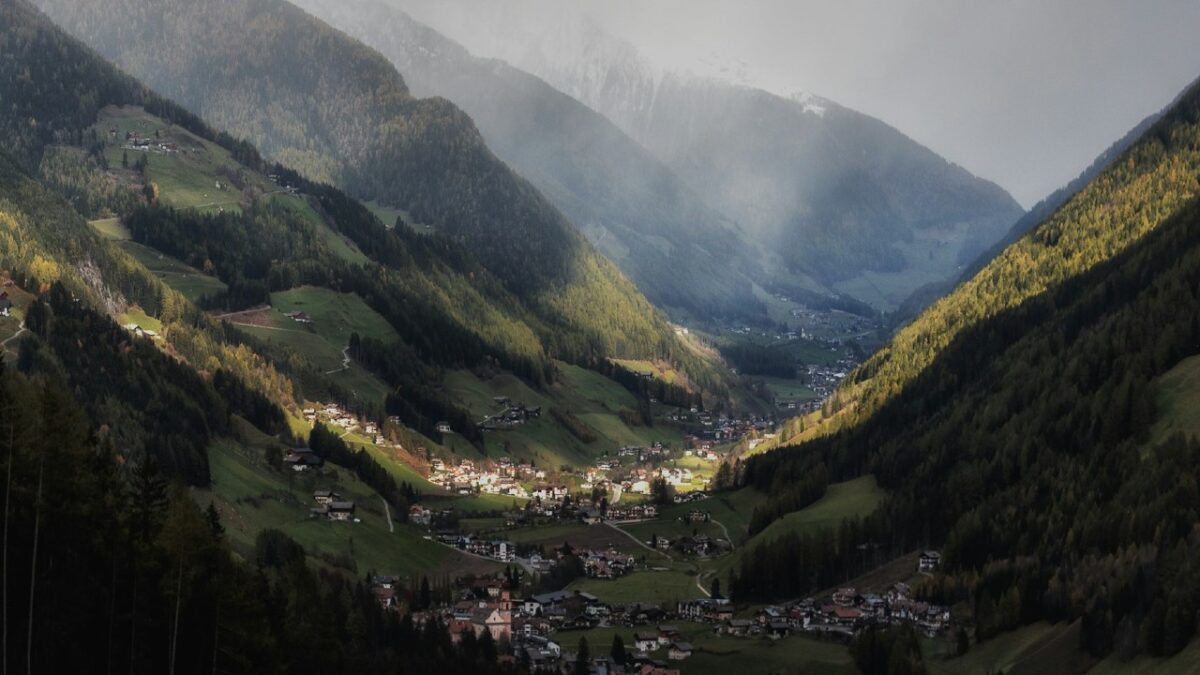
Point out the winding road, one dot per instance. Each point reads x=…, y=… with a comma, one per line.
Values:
x=345, y=361
x=14, y=336
x=723, y=529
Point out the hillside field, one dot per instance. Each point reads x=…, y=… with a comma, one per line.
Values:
x=251, y=496
x=858, y=497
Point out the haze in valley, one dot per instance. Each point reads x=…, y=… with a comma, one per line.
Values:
x=972, y=81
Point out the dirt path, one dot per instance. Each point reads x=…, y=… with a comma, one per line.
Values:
x=14, y=336
x=387, y=511
x=345, y=361
x=281, y=330
x=723, y=529
x=240, y=312
x=639, y=542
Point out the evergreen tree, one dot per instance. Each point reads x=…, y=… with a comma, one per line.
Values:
x=617, y=651
x=583, y=659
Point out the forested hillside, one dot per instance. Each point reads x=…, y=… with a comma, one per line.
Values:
x=1010, y=424
x=107, y=430
x=681, y=253
x=927, y=295
x=317, y=101
x=165, y=593
x=126, y=385
x=421, y=284
x=1147, y=184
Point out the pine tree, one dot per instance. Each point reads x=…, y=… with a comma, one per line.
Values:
x=424, y=596
x=583, y=659
x=617, y=652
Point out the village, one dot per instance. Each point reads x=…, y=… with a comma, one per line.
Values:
x=535, y=612
x=541, y=629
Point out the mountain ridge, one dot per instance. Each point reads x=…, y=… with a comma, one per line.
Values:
x=847, y=202
x=422, y=155
x=1012, y=423
x=681, y=253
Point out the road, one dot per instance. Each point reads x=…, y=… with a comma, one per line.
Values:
x=14, y=336
x=724, y=529
x=240, y=312
x=639, y=542
x=345, y=361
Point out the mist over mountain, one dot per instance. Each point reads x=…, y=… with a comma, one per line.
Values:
x=337, y=111
x=683, y=254
x=842, y=201
x=365, y=351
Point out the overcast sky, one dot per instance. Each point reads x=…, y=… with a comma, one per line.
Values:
x=1022, y=92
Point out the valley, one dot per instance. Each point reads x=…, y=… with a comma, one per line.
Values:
x=500, y=502
x=379, y=349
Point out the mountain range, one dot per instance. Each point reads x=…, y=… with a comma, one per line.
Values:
x=316, y=100
x=262, y=238
x=835, y=201
x=683, y=255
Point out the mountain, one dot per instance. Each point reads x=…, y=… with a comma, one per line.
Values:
x=1023, y=423
x=318, y=101
x=152, y=402
x=117, y=442
x=925, y=296
x=682, y=254
x=840, y=197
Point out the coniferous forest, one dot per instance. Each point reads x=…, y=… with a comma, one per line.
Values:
x=1025, y=450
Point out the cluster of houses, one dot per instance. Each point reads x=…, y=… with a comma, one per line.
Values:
x=706, y=429
x=5, y=304
x=597, y=564
x=139, y=143
x=465, y=478
x=631, y=513
x=609, y=564
x=841, y=615
x=823, y=380
x=420, y=515
x=534, y=626
x=337, y=416
x=511, y=415
x=331, y=506
x=693, y=545
x=664, y=636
